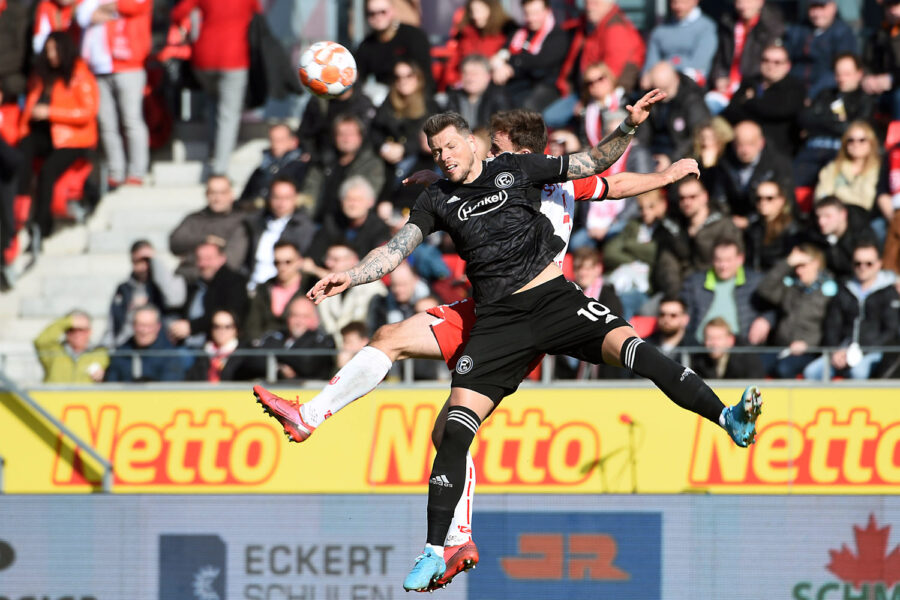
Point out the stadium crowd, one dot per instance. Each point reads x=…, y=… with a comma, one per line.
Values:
x=789, y=240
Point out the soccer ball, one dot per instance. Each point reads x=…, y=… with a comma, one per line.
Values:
x=327, y=69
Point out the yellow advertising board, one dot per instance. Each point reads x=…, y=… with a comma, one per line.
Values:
x=541, y=440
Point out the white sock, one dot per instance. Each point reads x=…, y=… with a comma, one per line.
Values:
x=460, y=530
x=358, y=377
x=439, y=550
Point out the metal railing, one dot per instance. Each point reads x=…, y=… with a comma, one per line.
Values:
x=273, y=355
x=10, y=386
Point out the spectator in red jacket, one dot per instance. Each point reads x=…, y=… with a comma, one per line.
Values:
x=221, y=58
x=115, y=44
x=484, y=29
x=58, y=124
x=603, y=35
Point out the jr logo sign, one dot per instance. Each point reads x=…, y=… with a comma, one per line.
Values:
x=568, y=555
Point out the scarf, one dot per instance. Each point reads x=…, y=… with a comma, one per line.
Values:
x=218, y=356
x=521, y=42
x=741, y=31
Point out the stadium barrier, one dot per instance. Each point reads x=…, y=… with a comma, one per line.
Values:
x=839, y=439
x=540, y=547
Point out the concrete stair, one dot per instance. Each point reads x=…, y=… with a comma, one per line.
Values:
x=81, y=266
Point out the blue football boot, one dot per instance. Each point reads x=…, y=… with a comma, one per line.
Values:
x=740, y=419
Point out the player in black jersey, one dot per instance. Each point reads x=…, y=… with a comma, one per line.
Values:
x=525, y=306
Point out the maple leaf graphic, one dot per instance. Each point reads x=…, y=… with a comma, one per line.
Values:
x=873, y=564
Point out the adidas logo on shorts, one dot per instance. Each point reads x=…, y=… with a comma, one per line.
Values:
x=441, y=480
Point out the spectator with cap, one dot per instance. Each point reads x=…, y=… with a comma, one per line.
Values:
x=743, y=34
x=773, y=99
x=826, y=118
x=149, y=284
x=281, y=219
x=217, y=219
x=814, y=45
x=148, y=355
x=64, y=351
x=687, y=40
x=283, y=157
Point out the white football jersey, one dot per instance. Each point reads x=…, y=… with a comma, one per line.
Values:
x=558, y=204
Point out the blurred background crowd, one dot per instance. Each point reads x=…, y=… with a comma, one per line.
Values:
x=788, y=242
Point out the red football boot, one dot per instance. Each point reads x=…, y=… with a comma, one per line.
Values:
x=287, y=412
x=458, y=558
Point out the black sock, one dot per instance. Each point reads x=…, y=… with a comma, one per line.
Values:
x=448, y=473
x=683, y=387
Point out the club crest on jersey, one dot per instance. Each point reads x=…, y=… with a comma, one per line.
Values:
x=464, y=364
x=504, y=180
x=474, y=208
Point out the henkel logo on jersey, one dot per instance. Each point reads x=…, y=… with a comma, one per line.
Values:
x=481, y=206
x=826, y=450
x=568, y=555
x=867, y=571
x=528, y=450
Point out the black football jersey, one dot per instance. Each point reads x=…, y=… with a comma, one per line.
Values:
x=495, y=221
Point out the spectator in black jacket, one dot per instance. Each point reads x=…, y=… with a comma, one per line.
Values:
x=218, y=287
x=748, y=161
x=773, y=228
x=882, y=59
x=672, y=123
x=816, y=43
x=530, y=63
x=283, y=157
x=672, y=322
x=281, y=219
x=825, y=120
x=149, y=284
x=477, y=98
x=218, y=364
x=840, y=229
x=357, y=224
x=863, y=313
x=759, y=25
x=320, y=115
x=302, y=333
x=773, y=99
x=719, y=363
x=388, y=42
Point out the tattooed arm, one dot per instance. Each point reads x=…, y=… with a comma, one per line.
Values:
x=377, y=263
x=603, y=155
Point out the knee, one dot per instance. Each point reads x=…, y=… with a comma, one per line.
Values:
x=387, y=340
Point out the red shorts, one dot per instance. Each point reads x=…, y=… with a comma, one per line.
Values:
x=452, y=330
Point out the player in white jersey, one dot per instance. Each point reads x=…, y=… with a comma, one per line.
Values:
x=441, y=332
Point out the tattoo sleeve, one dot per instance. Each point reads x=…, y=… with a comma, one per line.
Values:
x=600, y=157
x=384, y=259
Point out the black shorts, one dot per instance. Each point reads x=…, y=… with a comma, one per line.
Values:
x=553, y=318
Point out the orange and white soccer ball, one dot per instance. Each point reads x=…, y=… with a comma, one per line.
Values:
x=327, y=69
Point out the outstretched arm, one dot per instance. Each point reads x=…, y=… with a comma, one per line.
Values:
x=377, y=263
x=626, y=185
x=603, y=155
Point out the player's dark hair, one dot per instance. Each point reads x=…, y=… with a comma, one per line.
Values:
x=525, y=128
x=441, y=121
x=357, y=327
x=830, y=201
